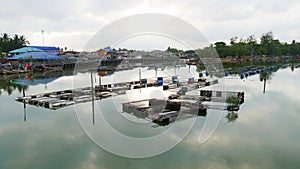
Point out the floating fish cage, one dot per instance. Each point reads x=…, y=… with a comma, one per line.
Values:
x=163, y=112
x=58, y=99
x=62, y=98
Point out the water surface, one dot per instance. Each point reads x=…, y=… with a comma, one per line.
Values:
x=265, y=135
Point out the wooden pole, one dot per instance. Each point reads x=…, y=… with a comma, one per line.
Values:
x=93, y=106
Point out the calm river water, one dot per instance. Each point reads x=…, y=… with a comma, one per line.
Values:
x=266, y=133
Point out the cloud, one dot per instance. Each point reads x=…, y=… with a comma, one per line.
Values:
x=72, y=23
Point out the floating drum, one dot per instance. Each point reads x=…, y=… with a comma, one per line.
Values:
x=202, y=112
x=200, y=74
x=160, y=81
x=165, y=87
x=174, y=79
x=191, y=80
x=143, y=81
x=149, y=84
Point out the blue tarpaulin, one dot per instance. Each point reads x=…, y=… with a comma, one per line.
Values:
x=36, y=56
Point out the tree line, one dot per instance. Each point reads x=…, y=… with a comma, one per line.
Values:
x=8, y=43
x=268, y=46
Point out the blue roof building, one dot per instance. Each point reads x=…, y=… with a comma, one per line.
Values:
x=25, y=50
x=35, y=56
x=48, y=49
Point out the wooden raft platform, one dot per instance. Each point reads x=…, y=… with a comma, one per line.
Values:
x=58, y=99
x=165, y=111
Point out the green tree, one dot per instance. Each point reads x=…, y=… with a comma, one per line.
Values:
x=172, y=50
x=266, y=42
x=233, y=40
x=252, y=45
x=276, y=48
x=234, y=100
x=294, y=48
x=222, y=49
x=189, y=51
x=1, y=55
x=264, y=76
x=8, y=43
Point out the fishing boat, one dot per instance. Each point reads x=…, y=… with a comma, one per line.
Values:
x=4, y=70
x=48, y=67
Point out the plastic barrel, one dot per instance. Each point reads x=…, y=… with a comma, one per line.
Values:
x=160, y=81
x=200, y=74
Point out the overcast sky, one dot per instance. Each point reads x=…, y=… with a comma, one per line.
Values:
x=72, y=23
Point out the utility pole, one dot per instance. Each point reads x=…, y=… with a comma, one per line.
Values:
x=43, y=37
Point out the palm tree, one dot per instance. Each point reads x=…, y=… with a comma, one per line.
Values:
x=23, y=41
x=264, y=76
x=10, y=43
x=4, y=37
x=4, y=42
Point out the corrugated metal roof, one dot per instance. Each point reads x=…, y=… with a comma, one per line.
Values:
x=26, y=49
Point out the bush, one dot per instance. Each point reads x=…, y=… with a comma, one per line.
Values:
x=232, y=100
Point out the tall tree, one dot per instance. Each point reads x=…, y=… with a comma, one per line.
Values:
x=252, y=44
x=266, y=41
x=233, y=40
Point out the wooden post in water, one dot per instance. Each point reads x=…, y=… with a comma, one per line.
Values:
x=100, y=78
x=264, y=85
x=93, y=106
x=140, y=77
x=24, y=105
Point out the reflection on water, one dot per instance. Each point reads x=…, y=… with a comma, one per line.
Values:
x=264, y=133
